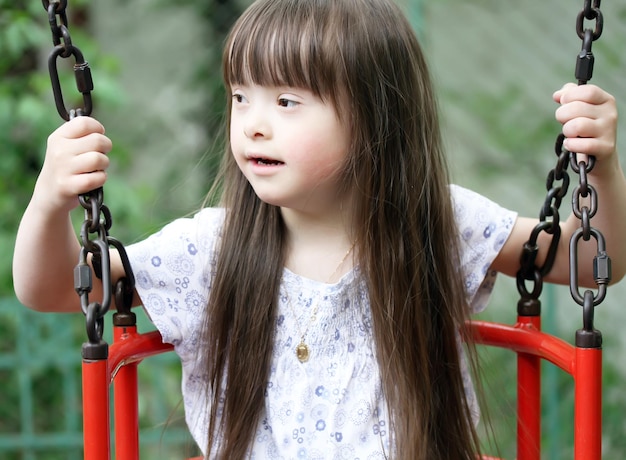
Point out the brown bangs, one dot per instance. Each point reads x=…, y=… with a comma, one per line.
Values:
x=285, y=44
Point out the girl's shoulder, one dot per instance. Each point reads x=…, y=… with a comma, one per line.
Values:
x=483, y=227
x=172, y=270
x=472, y=209
x=202, y=224
x=204, y=219
x=183, y=237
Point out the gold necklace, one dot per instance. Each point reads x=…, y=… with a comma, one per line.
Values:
x=302, y=349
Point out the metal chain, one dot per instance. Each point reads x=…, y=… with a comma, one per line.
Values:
x=588, y=336
x=557, y=184
x=63, y=48
x=97, y=215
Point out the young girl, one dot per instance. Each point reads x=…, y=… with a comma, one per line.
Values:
x=317, y=312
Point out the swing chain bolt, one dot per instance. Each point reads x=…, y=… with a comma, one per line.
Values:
x=96, y=349
x=585, y=59
x=588, y=336
x=63, y=48
x=82, y=278
x=601, y=266
x=529, y=303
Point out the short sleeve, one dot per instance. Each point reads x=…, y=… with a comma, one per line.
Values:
x=173, y=270
x=484, y=227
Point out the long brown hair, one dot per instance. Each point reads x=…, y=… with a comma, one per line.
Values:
x=363, y=57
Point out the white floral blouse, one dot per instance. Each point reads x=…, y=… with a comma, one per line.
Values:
x=330, y=407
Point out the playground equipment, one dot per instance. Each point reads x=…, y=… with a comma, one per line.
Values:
x=104, y=365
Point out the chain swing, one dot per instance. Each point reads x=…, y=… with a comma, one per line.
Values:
x=557, y=184
x=98, y=218
x=98, y=222
x=586, y=360
x=95, y=240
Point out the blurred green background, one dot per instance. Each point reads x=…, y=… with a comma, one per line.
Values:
x=155, y=67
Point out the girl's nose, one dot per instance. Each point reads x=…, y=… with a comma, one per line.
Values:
x=257, y=125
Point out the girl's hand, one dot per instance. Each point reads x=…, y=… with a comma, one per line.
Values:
x=589, y=118
x=76, y=162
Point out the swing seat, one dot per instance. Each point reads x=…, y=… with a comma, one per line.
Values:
x=524, y=338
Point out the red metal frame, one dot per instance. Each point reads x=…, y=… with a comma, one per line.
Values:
x=583, y=364
x=525, y=338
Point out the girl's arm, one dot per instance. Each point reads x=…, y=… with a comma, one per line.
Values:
x=46, y=248
x=589, y=118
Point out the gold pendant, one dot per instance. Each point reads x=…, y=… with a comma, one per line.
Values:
x=302, y=352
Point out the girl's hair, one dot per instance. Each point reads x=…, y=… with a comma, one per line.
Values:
x=362, y=57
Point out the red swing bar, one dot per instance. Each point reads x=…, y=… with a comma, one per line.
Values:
x=525, y=338
x=583, y=364
x=129, y=348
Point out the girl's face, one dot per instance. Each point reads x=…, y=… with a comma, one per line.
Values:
x=290, y=145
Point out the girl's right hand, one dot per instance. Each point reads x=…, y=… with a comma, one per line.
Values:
x=76, y=162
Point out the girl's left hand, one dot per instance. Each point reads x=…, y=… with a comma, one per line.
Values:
x=589, y=118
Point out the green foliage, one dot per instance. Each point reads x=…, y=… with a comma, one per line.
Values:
x=512, y=135
x=25, y=119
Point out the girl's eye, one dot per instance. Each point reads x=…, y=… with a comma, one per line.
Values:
x=284, y=102
x=239, y=98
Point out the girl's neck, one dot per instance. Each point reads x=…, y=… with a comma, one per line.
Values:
x=319, y=247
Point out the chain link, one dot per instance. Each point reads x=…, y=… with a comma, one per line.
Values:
x=557, y=184
x=63, y=48
x=590, y=11
x=582, y=165
x=98, y=219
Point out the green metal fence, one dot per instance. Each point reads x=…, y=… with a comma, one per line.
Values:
x=40, y=390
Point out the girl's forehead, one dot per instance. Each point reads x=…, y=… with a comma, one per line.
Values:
x=288, y=43
x=271, y=58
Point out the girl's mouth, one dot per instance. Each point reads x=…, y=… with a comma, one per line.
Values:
x=266, y=161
